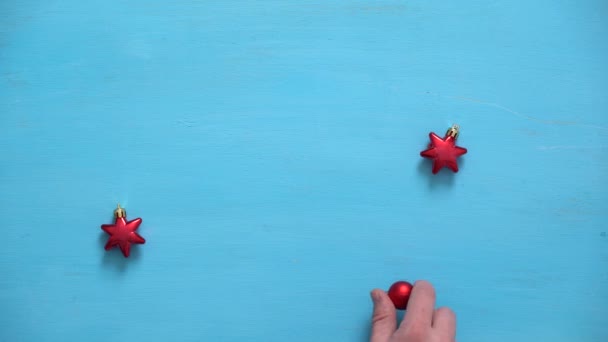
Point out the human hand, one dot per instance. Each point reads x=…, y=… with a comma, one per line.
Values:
x=421, y=323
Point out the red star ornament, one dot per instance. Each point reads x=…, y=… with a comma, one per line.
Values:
x=444, y=151
x=122, y=232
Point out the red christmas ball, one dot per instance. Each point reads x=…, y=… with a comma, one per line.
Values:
x=399, y=293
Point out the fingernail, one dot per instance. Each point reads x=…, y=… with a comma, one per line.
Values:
x=375, y=296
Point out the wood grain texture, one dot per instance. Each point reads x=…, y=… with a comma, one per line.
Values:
x=271, y=148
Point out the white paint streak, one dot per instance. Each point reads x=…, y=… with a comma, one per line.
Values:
x=570, y=147
x=527, y=117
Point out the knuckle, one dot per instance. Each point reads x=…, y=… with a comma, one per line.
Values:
x=380, y=316
x=416, y=335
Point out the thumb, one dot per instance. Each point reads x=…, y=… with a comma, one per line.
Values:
x=384, y=318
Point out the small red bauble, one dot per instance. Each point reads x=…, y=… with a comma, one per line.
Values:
x=122, y=233
x=444, y=151
x=399, y=293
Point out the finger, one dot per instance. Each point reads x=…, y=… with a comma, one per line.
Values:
x=420, y=308
x=444, y=324
x=384, y=318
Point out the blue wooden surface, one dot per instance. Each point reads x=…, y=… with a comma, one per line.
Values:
x=271, y=148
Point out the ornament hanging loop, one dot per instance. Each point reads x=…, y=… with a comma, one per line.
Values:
x=120, y=212
x=453, y=131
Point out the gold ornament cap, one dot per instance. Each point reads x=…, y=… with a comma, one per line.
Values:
x=453, y=131
x=120, y=212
